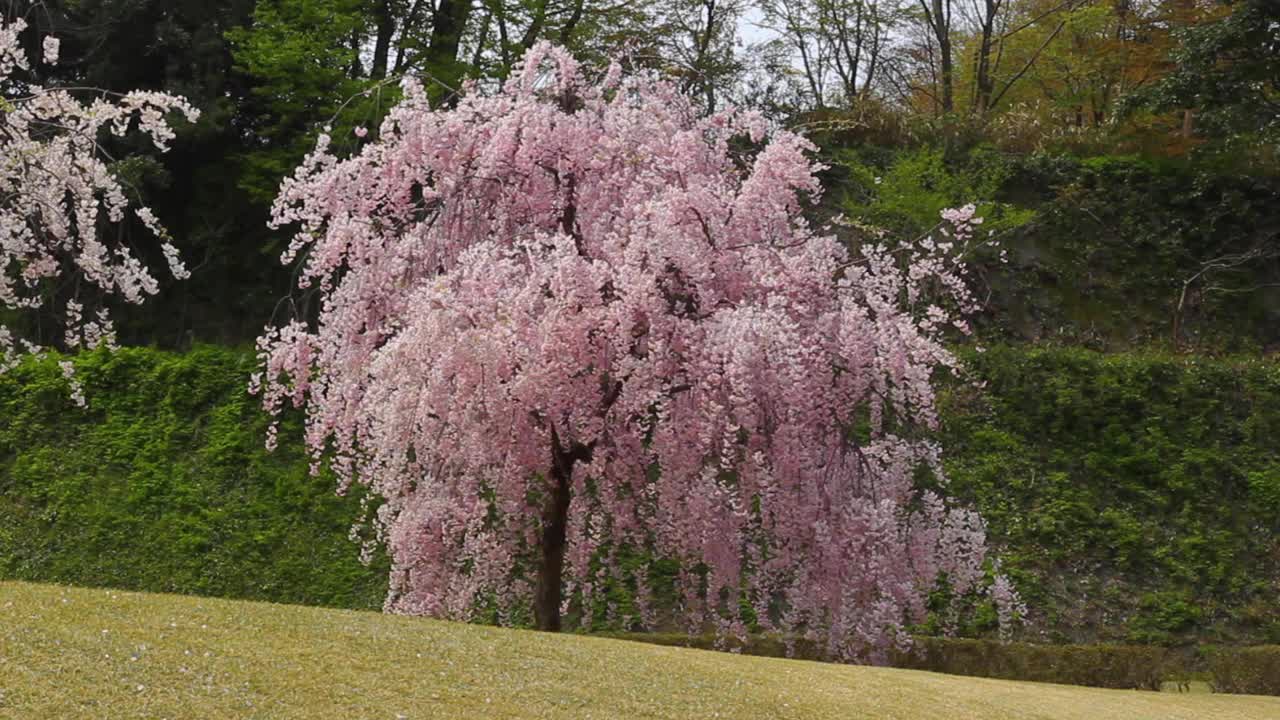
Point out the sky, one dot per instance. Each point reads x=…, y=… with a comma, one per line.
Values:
x=749, y=27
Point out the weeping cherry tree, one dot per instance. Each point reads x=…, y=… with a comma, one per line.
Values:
x=574, y=321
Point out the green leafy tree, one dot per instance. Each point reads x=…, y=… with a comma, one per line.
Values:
x=1228, y=71
x=302, y=58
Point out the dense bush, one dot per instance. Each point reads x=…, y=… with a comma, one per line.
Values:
x=1136, y=496
x=1251, y=670
x=905, y=191
x=758, y=645
x=162, y=484
x=1248, y=670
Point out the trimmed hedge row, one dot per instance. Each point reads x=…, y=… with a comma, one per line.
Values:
x=1127, y=667
x=757, y=645
x=1248, y=670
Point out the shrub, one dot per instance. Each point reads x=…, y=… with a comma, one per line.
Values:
x=1248, y=670
x=1107, y=666
x=757, y=645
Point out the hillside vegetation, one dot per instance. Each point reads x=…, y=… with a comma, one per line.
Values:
x=163, y=484
x=1133, y=497
x=104, y=654
x=1104, y=251
x=1136, y=496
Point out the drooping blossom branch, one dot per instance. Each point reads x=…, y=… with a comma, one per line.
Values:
x=58, y=194
x=565, y=319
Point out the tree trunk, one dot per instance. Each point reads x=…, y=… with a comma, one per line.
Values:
x=356, y=70
x=447, y=27
x=534, y=31
x=386, y=27
x=944, y=48
x=942, y=31
x=406, y=36
x=1177, y=316
x=482, y=40
x=984, y=84
x=575, y=17
x=555, y=522
x=555, y=518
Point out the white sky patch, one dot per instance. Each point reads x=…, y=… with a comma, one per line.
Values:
x=750, y=28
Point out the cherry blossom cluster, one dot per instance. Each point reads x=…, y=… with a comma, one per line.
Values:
x=57, y=192
x=588, y=288
x=1010, y=608
x=963, y=219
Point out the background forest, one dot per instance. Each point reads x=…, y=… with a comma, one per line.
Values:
x=1124, y=444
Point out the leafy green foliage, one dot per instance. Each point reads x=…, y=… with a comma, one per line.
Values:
x=163, y=484
x=300, y=59
x=905, y=192
x=1133, y=494
x=176, y=46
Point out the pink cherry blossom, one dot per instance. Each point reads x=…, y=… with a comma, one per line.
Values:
x=565, y=320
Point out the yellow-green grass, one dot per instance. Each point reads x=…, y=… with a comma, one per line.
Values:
x=72, y=653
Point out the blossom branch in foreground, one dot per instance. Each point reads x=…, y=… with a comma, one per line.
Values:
x=57, y=191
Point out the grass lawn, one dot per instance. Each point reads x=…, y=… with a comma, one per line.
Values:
x=76, y=653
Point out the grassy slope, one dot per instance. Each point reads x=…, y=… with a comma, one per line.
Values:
x=71, y=653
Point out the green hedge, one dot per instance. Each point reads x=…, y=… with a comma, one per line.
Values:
x=1248, y=670
x=1251, y=670
x=1135, y=667
x=162, y=484
x=757, y=645
x=1140, y=667
x=1134, y=497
